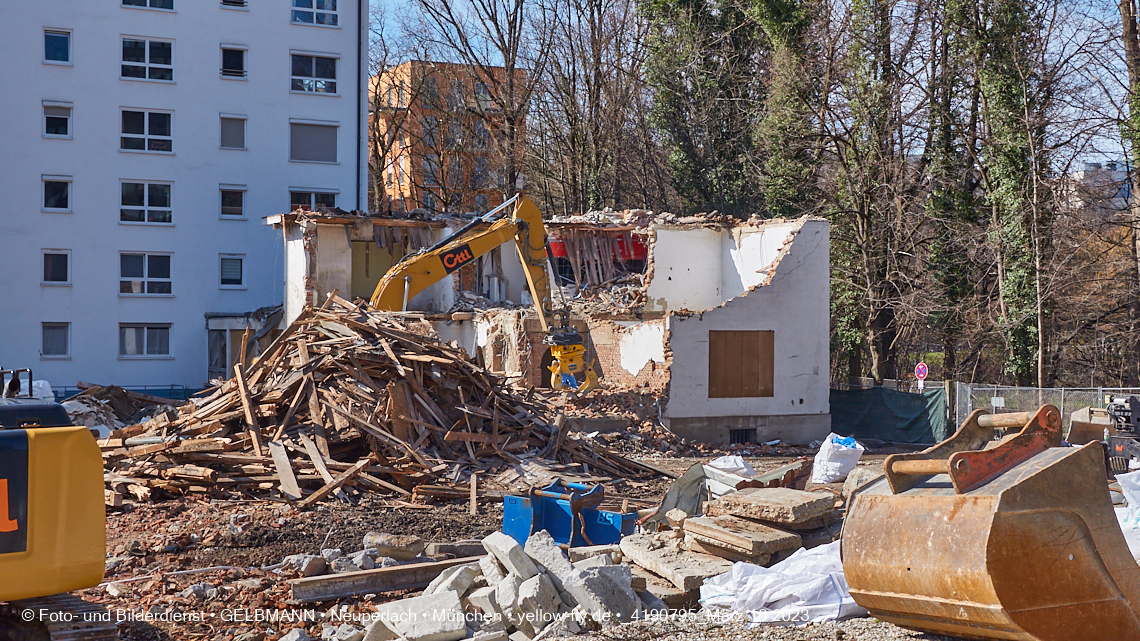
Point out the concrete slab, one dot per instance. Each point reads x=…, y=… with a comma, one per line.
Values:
x=772, y=504
x=510, y=554
x=401, y=547
x=695, y=544
x=749, y=537
x=493, y=571
x=585, y=552
x=544, y=550
x=663, y=590
x=539, y=601
x=605, y=593
x=434, y=617
x=457, y=579
x=666, y=558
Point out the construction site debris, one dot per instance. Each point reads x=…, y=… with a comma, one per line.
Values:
x=345, y=401
x=837, y=456
x=774, y=505
x=665, y=556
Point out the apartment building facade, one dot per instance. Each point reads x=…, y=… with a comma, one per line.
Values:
x=147, y=141
x=438, y=137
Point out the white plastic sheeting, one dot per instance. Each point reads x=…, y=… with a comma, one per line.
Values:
x=734, y=464
x=806, y=587
x=1129, y=517
x=836, y=458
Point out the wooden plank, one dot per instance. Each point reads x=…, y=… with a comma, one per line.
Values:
x=474, y=508
x=477, y=437
x=316, y=417
x=400, y=406
x=252, y=424
x=138, y=396
x=388, y=350
x=337, y=482
x=284, y=470
x=319, y=463
x=401, y=577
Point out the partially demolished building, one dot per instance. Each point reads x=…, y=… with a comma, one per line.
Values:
x=725, y=321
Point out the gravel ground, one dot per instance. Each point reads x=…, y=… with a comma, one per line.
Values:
x=698, y=630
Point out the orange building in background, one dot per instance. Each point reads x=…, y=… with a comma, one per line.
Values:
x=435, y=137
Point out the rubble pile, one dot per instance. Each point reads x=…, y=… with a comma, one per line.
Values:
x=349, y=400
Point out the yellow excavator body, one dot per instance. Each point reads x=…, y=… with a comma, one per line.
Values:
x=995, y=539
x=52, y=515
x=417, y=272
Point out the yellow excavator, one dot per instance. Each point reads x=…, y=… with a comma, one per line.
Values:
x=52, y=522
x=569, y=370
x=981, y=537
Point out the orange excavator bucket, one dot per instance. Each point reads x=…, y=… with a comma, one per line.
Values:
x=984, y=539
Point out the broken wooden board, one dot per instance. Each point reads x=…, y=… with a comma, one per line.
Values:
x=750, y=537
x=664, y=555
x=285, y=473
x=772, y=504
x=399, y=577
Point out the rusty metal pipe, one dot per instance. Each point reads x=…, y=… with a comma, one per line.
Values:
x=922, y=466
x=1009, y=419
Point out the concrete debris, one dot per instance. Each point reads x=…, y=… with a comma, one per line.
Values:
x=331, y=554
x=666, y=557
x=493, y=571
x=695, y=544
x=749, y=537
x=306, y=564
x=297, y=634
x=401, y=547
x=605, y=593
x=542, y=548
x=593, y=562
x=510, y=554
x=457, y=579
x=676, y=517
x=585, y=552
x=538, y=603
x=774, y=505
x=431, y=617
x=665, y=591
x=859, y=478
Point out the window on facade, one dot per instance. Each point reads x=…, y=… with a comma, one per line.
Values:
x=429, y=201
x=400, y=172
x=481, y=203
x=57, y=193
x=233, y=201
x=144, y=340
x=148, y=59
x=146, y=131
x=233, y=63
x=431, y=130
x=57, y=46
x=57, y=267
x=312, y=143
x=454, y=170
x=233, y=132
x=57, y=121
x=455, y=100
x=145, y=202
x=234, y=3
x=56, y=340
x=144, y=274
x=431, y=93
x=480, y=172
x=431, y=169
x=741, y=364
x=482, y=97
x=314, y=74
x=311, y=200
x=150, y=4
x=231, y=271
x=216, y=354
x=454, y=139
x=315, y=12
x=482, y=137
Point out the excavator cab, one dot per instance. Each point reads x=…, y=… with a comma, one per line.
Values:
x=980, y=538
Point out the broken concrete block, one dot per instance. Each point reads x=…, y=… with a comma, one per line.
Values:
x=542, y=548
x=493, y=571
x=676, y=518
x=518, y=635
x=344, y=565
x=772, y=504
x=510, y=554
x=485, y=600
x=507, y=597
x=489, y=635
x=459, y=549
x=694, y=543
x=306, y=564
x=379, y=632
x=363, y=560
x=577, y=554
x=297, y=634
x=538, y=601
x=432, y=617
x=593, y=562
x=687, y=570
x=651, y=605
x=457, y=579
x=348, y=632
x=665, y=590
x=331, y=554
x=601, y=592
x=859, y=478
x=397, y=546
x=749, y=537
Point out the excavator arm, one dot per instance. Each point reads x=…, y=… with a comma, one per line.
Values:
x=417, y=272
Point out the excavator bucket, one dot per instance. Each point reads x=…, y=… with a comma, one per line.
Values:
x=984, y=539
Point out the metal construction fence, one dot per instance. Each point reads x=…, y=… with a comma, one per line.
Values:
x=997, y=398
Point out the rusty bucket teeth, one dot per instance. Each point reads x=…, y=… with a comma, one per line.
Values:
x=1034, y=553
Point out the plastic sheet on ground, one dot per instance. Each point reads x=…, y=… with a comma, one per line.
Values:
x=806, y=587
x=734, y=464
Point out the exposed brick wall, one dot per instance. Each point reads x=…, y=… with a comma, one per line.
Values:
x=605, y=336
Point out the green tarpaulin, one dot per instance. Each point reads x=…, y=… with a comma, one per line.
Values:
x=890, y=415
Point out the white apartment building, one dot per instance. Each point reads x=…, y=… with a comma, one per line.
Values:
x=143, y=143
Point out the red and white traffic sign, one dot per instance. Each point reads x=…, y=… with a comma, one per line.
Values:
x=920, y=371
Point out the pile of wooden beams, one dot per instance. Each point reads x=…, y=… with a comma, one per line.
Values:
x=347, y=400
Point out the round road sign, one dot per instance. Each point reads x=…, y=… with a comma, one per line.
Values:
x=920, y=371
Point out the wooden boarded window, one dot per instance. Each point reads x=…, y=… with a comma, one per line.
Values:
x=741, y=364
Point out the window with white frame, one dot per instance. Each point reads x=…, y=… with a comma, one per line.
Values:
x=150, y=4
x=311, y=200
x=233, y=132
x=56, y=340
x=57, y=120
x=57, y=46
x=233, y=61
x=145, y=202
x=147, y=131
x=57, y=193
x=311, y=142
x=231, y=271
x=57, y=267
x=233, y=201
x=144, y=340
x=319, y=12
x=313, y=74
x=145, y=59
x=144, y=274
